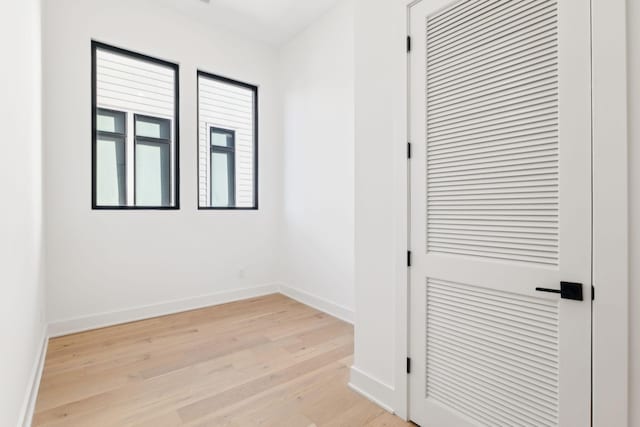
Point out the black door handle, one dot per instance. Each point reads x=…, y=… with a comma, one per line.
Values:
x=568, y=290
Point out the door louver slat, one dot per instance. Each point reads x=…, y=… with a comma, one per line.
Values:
x=493, y=355
x=492, y=131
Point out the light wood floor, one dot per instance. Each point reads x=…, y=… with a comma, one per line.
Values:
x=267, y=361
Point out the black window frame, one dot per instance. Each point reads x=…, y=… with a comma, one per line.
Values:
x=142, y=139
x=95, y=45
x=256, y=192
x=230, y=150
x=113, y=135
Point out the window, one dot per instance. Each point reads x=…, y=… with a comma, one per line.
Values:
x=135, y=130
x=223, y=164
x=110, y=153
x=153, y=160
x=227, y=143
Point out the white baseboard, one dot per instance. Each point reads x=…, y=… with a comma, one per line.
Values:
x=81, y=324
x=376, y=391
x=331, y=308
x=29, y=404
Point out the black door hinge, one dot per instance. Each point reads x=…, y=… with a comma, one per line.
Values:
x=593, y=293
x=408, y=365
x=408, y=258
x=408, y=43
x=408, y=150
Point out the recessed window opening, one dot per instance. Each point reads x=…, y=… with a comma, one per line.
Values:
x=135, y=130
x=227, y=143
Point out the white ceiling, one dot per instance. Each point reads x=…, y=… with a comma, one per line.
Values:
x=272, y=21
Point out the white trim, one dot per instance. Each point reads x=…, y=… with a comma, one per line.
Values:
x=375, y=390
x=80, y=324
x=401, y=134
x=322, y=304
x=31, y=395
x=401, y=183
x=102, y=320
x=610, y=214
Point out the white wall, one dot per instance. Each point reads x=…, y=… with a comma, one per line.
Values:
x=317, y=72
x=22, y=320
x=633, y=73
x=378, y=154
x=109, y=261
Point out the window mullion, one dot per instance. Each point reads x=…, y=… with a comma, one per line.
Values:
x=219, y=149
x=130, y=161
x=232, y=176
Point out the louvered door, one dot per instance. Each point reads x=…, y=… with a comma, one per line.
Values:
x=500, y=205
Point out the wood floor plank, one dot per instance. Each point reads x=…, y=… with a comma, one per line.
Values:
x=267, y=361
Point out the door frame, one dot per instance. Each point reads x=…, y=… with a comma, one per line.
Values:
x=610, y=265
